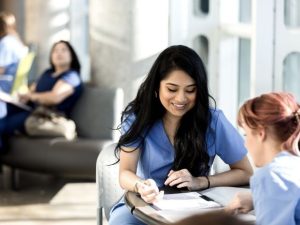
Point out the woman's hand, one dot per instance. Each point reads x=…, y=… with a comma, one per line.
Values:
x=241, y=203
x=149, y=191
x=59, y=92
x=183, y=178
x=2, y=70
x=24, y=98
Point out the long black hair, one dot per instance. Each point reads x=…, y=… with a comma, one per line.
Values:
x=190, y=138
x=75, y=65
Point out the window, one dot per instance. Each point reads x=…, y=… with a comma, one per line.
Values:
x=292, y=13
x=291, y=77
x=201, y=46
x=244, y=70
x=201, y=7
x=244, y=45
x=245, y=11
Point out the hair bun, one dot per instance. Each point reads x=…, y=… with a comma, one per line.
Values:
x=297, y=115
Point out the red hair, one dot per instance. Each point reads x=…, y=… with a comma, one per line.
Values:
x=279, y=113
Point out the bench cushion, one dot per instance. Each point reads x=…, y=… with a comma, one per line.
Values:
x=95, y=112
x=76, y=159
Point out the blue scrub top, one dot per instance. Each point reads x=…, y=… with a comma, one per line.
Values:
x=46, y=83
x=11, y=51
x=276, y=191
x=157, y=154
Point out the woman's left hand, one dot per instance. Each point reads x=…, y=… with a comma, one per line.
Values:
x=183, y=178
x=24, y=98
x=241, y=203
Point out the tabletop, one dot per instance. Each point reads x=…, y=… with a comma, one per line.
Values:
x=151, y=215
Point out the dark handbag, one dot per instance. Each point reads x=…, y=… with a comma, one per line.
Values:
x=46, y=122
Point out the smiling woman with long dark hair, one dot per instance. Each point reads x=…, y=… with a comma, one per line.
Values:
x=171, y=134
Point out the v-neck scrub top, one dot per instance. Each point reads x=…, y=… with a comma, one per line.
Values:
x=157, y=154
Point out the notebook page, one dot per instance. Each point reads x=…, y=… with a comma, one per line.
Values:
x=183, y=201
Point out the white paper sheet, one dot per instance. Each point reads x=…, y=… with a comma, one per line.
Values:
x=12, y=100
x=183, y=201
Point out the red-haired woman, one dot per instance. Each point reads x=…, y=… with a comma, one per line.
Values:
x=272, y=125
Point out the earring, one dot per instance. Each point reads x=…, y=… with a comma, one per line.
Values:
x=155, y=94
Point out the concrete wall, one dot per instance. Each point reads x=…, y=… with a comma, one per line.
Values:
x=41, y=23
x=125, y=38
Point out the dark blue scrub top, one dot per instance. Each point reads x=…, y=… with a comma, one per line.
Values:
x=46, y=83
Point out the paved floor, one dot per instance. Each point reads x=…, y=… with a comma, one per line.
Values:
x=44, y=200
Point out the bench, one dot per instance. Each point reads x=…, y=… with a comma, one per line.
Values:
x=96, y=113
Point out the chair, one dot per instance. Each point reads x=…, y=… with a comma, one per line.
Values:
x=107, y=180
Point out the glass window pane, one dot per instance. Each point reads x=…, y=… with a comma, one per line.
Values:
x=292, y=13
x=201, y=47
x=204, y=7
x=291, y=77
x=201, y=7
x=245, y=11
x=244, y=71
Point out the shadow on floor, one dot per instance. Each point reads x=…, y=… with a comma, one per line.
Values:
x=44, y=200
x=33, y=188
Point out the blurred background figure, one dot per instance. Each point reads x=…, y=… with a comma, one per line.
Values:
x=11, y=50
x=59, y=87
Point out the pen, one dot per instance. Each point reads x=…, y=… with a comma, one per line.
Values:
x=205, y=197
x=209, y=199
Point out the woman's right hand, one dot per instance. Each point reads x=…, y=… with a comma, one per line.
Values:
x=241, y=203
x=149, y=191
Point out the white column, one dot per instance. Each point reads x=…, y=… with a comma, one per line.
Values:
x=262, y=47
x=228, y=59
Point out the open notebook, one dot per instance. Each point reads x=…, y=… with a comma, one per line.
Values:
x=174, y=207
x=20, y=83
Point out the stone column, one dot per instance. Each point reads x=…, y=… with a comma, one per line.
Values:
x=125, y=38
